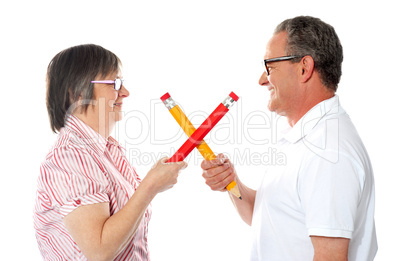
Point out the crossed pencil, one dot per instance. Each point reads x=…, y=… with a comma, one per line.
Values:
x=196, y=136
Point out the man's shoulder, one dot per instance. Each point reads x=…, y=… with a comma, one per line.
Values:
x=335, y=134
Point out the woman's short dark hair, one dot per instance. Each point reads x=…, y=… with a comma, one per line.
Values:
x=311, y=36
x=69, y=77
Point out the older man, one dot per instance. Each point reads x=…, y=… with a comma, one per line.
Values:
x=320, y=204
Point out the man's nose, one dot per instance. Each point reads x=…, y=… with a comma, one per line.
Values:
x=263, y=79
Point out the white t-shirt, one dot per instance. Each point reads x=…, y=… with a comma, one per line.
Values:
x=324, y=186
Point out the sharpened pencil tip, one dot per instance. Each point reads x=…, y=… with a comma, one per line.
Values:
x=240, y=198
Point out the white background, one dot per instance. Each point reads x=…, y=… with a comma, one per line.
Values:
x=199, y=51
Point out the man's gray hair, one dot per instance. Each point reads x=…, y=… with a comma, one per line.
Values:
x=311, y=36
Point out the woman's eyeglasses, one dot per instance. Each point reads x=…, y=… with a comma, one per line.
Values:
x=117, y=83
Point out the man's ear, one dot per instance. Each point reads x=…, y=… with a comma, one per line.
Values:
x=307, y=68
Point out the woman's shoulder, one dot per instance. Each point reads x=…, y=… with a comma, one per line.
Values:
x=67, y=142
x=71, y=155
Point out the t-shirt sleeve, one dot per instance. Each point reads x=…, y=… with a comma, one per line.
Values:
x=330, y=193
x=72, y=177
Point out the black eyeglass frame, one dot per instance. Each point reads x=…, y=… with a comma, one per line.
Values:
x=279, y=59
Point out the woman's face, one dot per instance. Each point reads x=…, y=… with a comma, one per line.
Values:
x=108, y=101
x=104, y=110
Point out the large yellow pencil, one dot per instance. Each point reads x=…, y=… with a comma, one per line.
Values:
x=188, y=128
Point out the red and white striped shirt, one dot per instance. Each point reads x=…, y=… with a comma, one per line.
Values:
x=83, y=168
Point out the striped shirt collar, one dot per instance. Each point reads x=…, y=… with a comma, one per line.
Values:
x=89, y=136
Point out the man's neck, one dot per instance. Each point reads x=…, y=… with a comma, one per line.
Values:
x=309, y=102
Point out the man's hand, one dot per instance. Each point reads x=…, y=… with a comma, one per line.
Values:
x=218, y=173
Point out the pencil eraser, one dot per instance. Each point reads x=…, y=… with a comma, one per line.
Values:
x=165, y=97
x=233, y=95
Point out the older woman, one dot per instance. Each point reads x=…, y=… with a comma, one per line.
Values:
x=90, y=202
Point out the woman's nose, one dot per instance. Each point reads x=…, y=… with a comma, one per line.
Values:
x=123, y=91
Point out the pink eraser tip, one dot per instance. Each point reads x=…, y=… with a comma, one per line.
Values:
x=234, y=96
x=165, y=97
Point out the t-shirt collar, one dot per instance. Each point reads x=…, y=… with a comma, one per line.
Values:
x=310, y=119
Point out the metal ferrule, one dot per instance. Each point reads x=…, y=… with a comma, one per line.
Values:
x=228, y=102
x=169, y=103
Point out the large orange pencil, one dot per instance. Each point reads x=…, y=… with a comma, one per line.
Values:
x=189, y=129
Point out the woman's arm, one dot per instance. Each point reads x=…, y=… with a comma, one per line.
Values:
x=218, y=173
x=101, y=236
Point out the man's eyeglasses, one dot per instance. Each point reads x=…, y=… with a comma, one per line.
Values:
x=278, y=59
x=117, y=83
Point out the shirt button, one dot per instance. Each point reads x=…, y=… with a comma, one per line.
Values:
x=78, y=202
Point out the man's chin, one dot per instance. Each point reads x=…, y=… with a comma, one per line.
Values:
x=270, y=107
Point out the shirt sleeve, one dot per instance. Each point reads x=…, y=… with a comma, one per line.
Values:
x=330, y=193
x=72, y=177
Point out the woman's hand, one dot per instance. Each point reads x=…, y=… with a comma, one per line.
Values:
x=163, y=175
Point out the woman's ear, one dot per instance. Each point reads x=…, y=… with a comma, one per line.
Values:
x=70, y=96
x=307, y=68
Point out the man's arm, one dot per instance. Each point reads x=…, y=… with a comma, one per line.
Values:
x=218, y=173
x=330, y=248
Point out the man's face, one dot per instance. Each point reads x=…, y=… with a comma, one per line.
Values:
x=282, y=79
